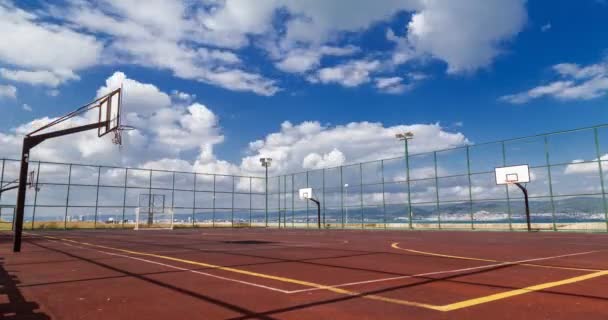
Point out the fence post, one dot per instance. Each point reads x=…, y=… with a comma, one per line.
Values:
x=67, y=200
x=124, y=196
x=194, y=200
x=97, y=191
x=2, y=176
x=279, y=198
x=361, y=194
x=550, y=181
x=599, y=163
x=213, y=212
x=436, y=189
x=293, y=203
x=470, y=188
x=36, y=196
x=383, y=196
x=232, y=213
x=504, y=163
x=250, y=200
x=323, y=193
x=342, y=195
x=307, y=214
x=173, y=193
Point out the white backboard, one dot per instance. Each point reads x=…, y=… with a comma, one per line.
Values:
x=109, y=110
x=305, y=193
x=513, y=174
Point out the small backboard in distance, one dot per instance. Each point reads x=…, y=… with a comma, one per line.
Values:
x=305, y=193
x=512, y=174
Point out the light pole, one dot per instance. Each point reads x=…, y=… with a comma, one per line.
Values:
x=405, y=137
x=266, y=163
x=346, y=207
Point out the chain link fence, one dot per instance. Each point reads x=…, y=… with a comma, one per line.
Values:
x=85, y=196
x=455, y=188
x=446, y=189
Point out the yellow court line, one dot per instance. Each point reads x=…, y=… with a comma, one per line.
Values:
x=444, y=308
x=395, y=245
x=262, y=275
x=512, y=293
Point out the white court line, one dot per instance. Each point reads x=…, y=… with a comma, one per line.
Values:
x=338, y=285
x=445, y=271
x=178, y=268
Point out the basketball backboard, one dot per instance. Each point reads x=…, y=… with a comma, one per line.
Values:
x=513, y=174
x=109, y=112
x=305, y=193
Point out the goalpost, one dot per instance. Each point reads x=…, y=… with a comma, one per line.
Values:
x=151, y=214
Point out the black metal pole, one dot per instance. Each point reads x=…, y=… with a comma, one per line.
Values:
x=523, y=189
x=18, y=226
x=28, y=143
x=318, y=211
x=266, y=189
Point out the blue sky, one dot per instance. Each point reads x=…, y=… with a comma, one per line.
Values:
x=469, y=71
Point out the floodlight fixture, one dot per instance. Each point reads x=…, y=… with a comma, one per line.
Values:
x=266, y=162
x=405, y=136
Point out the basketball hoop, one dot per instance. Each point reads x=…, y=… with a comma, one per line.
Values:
x=33, y=182
x=117, y=134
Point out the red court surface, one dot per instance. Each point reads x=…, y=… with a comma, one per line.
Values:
x=304, y=274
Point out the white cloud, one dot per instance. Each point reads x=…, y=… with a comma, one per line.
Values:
x=576, y=83
x=41, y=77
x=467, y=35
x=302, y=60
x=392, y=85
x=29, y=42
x=183, y=96
x=141, y=98
x=316, y=161
x=545, y=27
x=206, y=41
x=8, y=91
x=579, y=166
x=350, y=74
x=169, y=36
x=26, y=107
x=163, y=131
x=311, y=144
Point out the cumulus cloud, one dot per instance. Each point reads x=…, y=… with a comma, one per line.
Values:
x=29, y=42
x=312, y=145
x=207, y=41
x=41, y=77
x=169, y=36
x=26, y=107
x=393, y=85
x=8, y=91
x=42, y=53
x=574, y=82
x=350, y=74
x=316, y=161
x=144, y=99
x=580, y=166
x=302, y=60
x=163, y=131
x=467, y=35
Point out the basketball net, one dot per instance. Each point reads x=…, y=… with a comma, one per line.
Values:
x=117, y=135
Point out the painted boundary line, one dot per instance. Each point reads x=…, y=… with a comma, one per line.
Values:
x=498, y=264
x=177, y=268
x=395, y=245
x=443, y=308
x=256, y=274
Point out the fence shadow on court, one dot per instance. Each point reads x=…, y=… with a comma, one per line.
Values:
x=246, y=312
x=17, y=306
